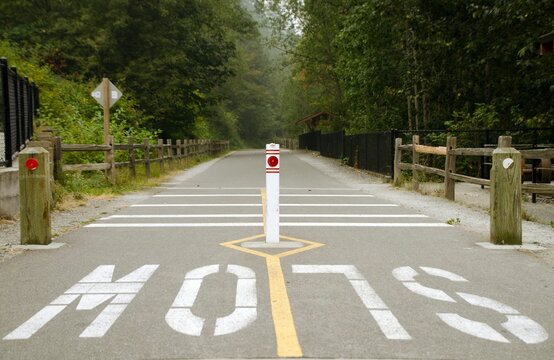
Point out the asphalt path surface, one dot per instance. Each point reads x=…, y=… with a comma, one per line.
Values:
x=186, y=274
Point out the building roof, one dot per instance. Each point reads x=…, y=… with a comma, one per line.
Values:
x=546, y=37
x=312, y=118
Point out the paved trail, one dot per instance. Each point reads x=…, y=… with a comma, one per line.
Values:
x=182, y=275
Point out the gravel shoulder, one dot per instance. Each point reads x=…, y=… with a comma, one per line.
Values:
x=471, y=207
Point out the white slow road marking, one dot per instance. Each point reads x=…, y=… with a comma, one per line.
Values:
x=181, y=319
x=521, y=326
x=529, y=331
x=250, y=224
x=404, y=273
x=485, y=302
x=192, y=216
x=428, y=292
x=526, y=329
x=474, y=328
x=443, y=273
x=94, y=289
x=388, y=323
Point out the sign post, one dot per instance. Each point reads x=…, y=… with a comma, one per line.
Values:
x=272, y=192
x=107, y=95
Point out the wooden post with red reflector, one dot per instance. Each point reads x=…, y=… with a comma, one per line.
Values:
x=35, y=196
x=272, y=167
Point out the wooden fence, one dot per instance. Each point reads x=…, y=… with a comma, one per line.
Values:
x=287, y=143
x=449, y=171
x=163, y=153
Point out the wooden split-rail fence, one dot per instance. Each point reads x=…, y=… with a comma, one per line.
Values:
x=449, y=171
x=163, y=153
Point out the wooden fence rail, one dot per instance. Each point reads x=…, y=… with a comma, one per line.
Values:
x=449, y=172
x=165, y=153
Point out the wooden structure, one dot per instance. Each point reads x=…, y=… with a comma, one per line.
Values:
x=166, y=153
x=547, y=43
x=151, y=151
x=505, y=194
x=451, y=152
x=505, y=182
x=35, y=196
x=312, y=121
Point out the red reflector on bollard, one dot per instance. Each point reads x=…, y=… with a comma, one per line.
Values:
x=272, y=161
x=31, y=164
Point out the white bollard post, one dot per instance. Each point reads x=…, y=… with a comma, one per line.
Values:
x=272, y=192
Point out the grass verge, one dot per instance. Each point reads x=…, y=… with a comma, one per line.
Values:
x=73, y=189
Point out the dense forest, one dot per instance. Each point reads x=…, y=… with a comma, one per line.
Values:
x=192, y=69
x=247, y=70
x=417, y=64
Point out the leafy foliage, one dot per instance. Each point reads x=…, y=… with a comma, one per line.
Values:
x=76, y=116
x=377, y=64
x=171, y=57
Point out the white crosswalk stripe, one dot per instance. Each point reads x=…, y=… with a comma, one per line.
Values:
x=229, y=219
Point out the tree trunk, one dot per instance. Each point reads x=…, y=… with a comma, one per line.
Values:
x=410, y=125
x=416, y=101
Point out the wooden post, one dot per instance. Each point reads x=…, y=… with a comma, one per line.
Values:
x=146, y=143
x=187, y=151
x=132, y=156
x=178, y=153
x=161, y=154
x=504, y=141
x=57, y=157
x=170, y=154
x=106, y=108
x=34, y=196
x=546, y=172
x=46, y=140
x=415, y=161
x=505, y=195
x=111, y=171
x=397, y=161
x=449, y=168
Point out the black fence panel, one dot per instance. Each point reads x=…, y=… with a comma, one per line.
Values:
x=371, y=151
x=19, y=102
x=331, y=145
x=375, y=151
x=379, y=152
x=310, y=141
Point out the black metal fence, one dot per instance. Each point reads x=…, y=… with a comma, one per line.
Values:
x=375, y=151
x=19, y=101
